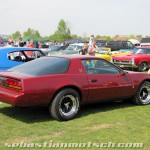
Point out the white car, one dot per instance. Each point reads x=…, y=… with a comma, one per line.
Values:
x=77, y=46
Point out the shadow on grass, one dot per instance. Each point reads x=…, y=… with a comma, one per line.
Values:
x=41, y=114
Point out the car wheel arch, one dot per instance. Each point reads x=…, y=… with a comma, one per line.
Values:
x=65, y=105
x=142, y=63
x=136, y=99
x=66, y=87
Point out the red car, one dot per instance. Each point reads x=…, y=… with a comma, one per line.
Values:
x=63, y=83
x=139, y=60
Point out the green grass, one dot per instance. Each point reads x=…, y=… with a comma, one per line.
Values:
x=116, y=122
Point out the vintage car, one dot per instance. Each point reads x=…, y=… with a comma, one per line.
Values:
x=76, y=46
x=54, y=49
x=14, y=56
x=71, y=49
x=63, y=83
x=106, y=53
x=139, y=60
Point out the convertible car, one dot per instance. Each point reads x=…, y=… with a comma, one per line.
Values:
x=63, y=83
x=14, y=56
x=107, y=54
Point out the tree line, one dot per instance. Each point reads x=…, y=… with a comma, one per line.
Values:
x=63, y=33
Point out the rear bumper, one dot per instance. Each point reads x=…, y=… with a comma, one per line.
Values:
x=12, y=97
x=21, y=99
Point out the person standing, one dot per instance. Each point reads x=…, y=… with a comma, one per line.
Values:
x=1, y=42
x=31, y=44
x=20, y=43
x=91, y=40
x=92, y=49
x=84, y=50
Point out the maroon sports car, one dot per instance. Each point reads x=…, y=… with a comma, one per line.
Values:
x=63, y=83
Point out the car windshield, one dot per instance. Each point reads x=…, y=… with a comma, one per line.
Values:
x=71, y=47
x=54, y=48
x=101, y=51
x=125, y=50
x=74, y=47
x=141, y=51
x=43, y=66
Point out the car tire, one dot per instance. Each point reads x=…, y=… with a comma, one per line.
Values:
x=142, y=67
x=142, y=96
x=65, y=105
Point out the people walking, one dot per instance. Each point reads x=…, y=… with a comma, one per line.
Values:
x=20, y=43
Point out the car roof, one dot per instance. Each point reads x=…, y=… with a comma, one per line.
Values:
x=78, y=44
x=9, y=49
x=75, y=56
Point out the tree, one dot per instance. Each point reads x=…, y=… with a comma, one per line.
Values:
x=108, y=38
x=63, y=31
x=97, y=37
x=139, y=36
x=31, y=32
x=16, y=35
x=132, y=36
x=36, y=33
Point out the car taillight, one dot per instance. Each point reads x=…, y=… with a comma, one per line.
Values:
x=13, y=83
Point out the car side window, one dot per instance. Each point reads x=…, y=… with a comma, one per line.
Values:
x=16, y=56
x=146, y=51
x=98, y=66
x=129, y=44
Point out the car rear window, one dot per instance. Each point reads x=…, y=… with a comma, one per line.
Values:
x=43, y=66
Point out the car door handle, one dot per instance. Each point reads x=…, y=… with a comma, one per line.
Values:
x=93, y=80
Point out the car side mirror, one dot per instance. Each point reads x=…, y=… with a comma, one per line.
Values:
x=123, y=73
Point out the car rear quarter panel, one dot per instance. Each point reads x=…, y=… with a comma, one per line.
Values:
x=42, y=89
x=138, y=78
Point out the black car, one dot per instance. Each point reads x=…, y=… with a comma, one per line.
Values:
x=117, y=45
x=101, y=43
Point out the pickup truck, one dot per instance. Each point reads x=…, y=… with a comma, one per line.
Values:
x=117, y=45
x=139, y=60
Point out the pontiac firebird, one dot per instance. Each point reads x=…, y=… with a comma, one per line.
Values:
x=63, y=83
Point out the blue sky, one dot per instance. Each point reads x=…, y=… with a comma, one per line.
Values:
x=84, y=17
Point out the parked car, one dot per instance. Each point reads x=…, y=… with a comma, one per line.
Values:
x=107, y=54
x=64, y=83
x=63, y=52
x=139, y=59
x=70, y=50
x=117, y=45
x=13, y=56
x=54, y=49
x=77, y=46
x=145, y=42
x=101, y=43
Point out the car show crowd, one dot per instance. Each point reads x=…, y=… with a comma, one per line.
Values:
x=110, y=51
